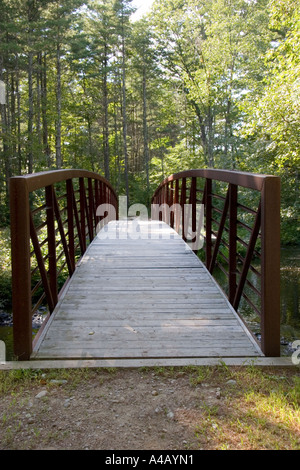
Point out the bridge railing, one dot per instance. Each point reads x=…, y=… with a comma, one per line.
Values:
x=53, y=219
x=241, y=237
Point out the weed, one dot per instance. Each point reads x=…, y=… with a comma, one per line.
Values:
x=200, y=375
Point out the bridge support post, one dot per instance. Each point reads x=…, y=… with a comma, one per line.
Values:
x=270, y=267
x=21, y=276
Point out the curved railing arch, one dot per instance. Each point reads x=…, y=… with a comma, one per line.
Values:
x=235, y=234
x=53, y=218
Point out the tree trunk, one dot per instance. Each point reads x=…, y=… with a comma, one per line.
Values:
x=38, y=99
x=13, y=124
x=91, y=155
x=117, y=150
x=30, y=114
x=19, y=159
x=210, y=148
x=105, y=127
x=4, y=130
x=44, y=110
x=145, y=132
x=124, y=120
x=58, y=109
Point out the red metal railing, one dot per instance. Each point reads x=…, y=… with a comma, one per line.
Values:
x=53, y=218
x=241, y=236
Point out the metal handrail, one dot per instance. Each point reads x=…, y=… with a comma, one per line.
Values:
x=183, y=188
x=70, y=236
x=79, y=205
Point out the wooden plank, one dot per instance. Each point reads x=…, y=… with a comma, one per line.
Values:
x=143, y=298
x=121, y=320
x=97, y=336
x=164, y=353
x=241, y=361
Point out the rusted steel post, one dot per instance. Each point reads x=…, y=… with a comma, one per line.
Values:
x=51, y=242
x=176, y=202
x=170, y=202
x=82, y=211
x=159, y=202
x=208, y=215
x=70, y=212
x=90, y=210
x=96, y=190
x=193, y=197
x=166, y=203
x=182, y=203
x=116, y=206
x=270, y=267
x=232, y=241
x=78, y=223
x=220, y=232
x=21, y=276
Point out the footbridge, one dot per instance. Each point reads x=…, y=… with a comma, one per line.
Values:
x=167, y=283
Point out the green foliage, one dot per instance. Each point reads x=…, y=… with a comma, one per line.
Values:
x=203, y=83
x=5, y=269
x=272, y=127
x=214, y=49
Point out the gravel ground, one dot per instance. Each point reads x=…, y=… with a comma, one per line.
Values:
x=123, y=409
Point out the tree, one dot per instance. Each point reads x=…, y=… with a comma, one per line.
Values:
x=272, y=128
x=209, y=46
x=102, y=36
x=144, y=62
x=60, y=18
x=10, y=50
x=123, y=11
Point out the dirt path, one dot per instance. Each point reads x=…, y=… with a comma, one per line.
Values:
x=124, y=409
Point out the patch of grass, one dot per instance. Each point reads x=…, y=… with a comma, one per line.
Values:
x=200, y=375
x=17, y=379
x=262, y=412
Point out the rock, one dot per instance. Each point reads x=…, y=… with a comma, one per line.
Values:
x=154, y=393
x=42, y=394
x=38, y=318
x=59, y=382
x=5, y=319
x=231, y=382
x=170, y=415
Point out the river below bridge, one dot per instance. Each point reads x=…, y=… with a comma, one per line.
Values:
x=290, y=307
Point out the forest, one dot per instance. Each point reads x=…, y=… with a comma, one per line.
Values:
x=192, y=84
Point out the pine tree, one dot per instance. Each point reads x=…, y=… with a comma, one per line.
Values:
x=60, y=19
x=123, y=10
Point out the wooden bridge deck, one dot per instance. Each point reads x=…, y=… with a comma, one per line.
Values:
x=143, y=298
